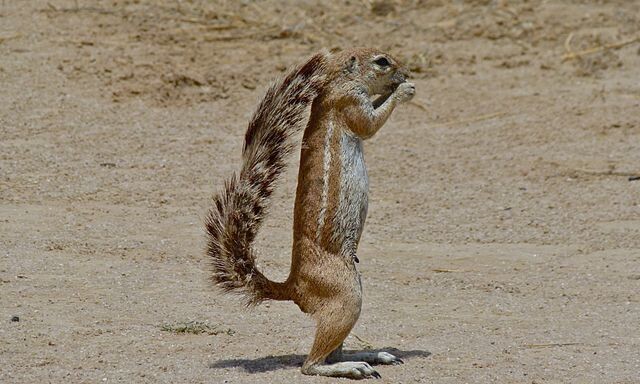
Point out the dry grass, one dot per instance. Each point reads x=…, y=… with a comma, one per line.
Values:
x=196, y=328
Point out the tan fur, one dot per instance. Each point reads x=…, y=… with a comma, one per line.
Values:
x=331, y=205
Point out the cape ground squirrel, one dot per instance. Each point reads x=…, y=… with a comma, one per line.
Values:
x=331, y=198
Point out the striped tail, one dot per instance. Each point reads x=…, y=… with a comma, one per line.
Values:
x=239, y=209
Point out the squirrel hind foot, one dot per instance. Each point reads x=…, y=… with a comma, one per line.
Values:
x=348, y=369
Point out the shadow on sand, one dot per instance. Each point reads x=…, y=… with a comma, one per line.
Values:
x=274, y=363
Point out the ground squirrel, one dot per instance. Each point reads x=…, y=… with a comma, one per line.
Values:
x=331, y=198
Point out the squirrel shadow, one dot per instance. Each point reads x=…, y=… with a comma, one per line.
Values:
x=274, y=363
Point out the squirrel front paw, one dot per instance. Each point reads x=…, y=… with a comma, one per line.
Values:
x=405, y=92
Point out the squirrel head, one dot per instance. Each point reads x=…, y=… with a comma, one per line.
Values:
x=373, y=71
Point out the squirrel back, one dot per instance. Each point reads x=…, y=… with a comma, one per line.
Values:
x=239, y=209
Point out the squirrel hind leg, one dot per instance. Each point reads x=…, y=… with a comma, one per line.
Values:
x=347, y=369
x=329, y=337
x=333, y=327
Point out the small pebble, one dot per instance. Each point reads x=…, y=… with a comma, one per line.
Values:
x=15, y=318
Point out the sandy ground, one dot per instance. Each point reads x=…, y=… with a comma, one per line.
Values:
x=503, y=239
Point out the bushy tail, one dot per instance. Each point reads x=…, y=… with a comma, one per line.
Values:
x=238, y=211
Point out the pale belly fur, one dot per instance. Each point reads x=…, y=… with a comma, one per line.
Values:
x=353, y=197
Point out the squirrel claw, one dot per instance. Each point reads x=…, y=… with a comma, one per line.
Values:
x=397, y=361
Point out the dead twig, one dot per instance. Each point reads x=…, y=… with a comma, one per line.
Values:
x=365, y=344
x=445, y=270
x=471, y=119
x=77, y=9
x=598, y=172
x=7, y=38
x=270, y=34
x=606, y=173
x=550, y=345
x=570, y=55
x=567, y=43
x=208, y=25
x=419, y=105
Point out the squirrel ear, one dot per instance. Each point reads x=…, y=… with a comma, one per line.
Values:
x=352, y=64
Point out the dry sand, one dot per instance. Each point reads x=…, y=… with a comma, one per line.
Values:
x=503, y=239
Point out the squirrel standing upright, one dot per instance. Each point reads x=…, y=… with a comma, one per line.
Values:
x=331, y=198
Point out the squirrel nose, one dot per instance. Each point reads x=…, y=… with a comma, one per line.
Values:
x=404, y=72
x=400, y=76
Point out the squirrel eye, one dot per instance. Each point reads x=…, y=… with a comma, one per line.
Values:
x=382, y=61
